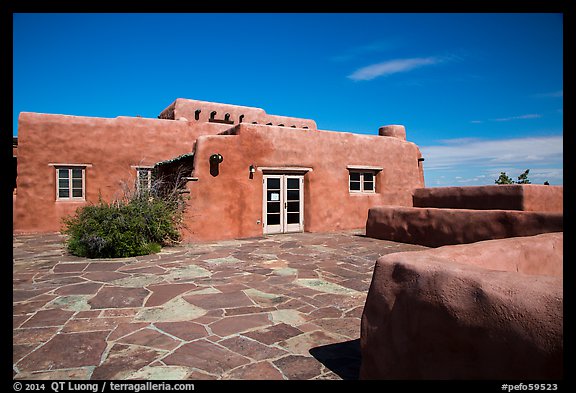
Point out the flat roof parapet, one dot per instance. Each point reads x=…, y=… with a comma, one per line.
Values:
x=205, y=111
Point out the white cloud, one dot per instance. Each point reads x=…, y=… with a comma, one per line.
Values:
x=469, y=175
x=521, y=117
x=521, y=152
x=459, y=141
x=392, y=67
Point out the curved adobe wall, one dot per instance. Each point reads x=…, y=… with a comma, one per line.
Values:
x=534, y=255
x=395, y=131
x=526, y=197
x=438, y=227
x=432, y=315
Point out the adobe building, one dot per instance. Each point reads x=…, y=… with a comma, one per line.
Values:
x=247, y=173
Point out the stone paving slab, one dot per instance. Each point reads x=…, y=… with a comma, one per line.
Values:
x=277, y=307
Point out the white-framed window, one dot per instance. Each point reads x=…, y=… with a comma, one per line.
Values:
x=362, y=178
x=143, y=178
x=362, y=181
x=70, y=183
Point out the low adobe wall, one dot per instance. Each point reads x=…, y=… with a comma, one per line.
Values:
x=526, y=197
x=464, y=312
x=438, y=227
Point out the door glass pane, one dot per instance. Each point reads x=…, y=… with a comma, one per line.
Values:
x=293, y=206
x=293, y=218
x=77, y=193
x=77, y=173
x=273, y=196
x=293, y=184
x=355, y=185
x=273, y=183
x=273, y=207
x=293, y=195
x=64, y=193
x=273, y=219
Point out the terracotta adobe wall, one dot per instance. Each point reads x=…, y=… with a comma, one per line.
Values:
x=543, y=198
x=111, y=146
x=14, y=164
x=230, y=205
x=526, y=197
x=225, y=206
x=395, y=131
x=435, y=227
x=540, y=255
x=450, y=313
x=185, y=109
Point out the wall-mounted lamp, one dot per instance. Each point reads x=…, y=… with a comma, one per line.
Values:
x=252, y=169
x=216, y=158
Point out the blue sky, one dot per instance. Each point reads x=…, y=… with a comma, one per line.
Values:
x=478, y=93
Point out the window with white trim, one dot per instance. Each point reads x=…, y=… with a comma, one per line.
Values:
x=70, y=183
x=362, y=181
x=143, y=178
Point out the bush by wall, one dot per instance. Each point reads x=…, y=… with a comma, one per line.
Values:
x=137, y=224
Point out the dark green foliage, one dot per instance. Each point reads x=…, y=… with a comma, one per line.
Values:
x=505, y=179
x=138, y=224
x=523, y=178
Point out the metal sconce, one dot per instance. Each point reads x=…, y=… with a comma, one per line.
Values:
x=252, y=169
x=216, y=158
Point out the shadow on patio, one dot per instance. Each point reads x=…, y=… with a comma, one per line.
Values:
x=342, y=358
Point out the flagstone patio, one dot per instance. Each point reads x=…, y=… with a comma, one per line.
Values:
x=277, y=307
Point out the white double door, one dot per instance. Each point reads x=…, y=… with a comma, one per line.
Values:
x=283, y=197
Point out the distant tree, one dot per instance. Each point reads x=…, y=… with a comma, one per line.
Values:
x=523, y=178
x=546, y=183
x=504, y=179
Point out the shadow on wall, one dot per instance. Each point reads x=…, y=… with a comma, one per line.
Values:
x=342, y=358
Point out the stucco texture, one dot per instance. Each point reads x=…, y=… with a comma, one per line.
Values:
x=112, y=148
x=475, y=311
x=229, y=205
x=525, y=197
x=436, y=227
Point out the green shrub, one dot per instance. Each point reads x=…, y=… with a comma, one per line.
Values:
x=138, y=224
